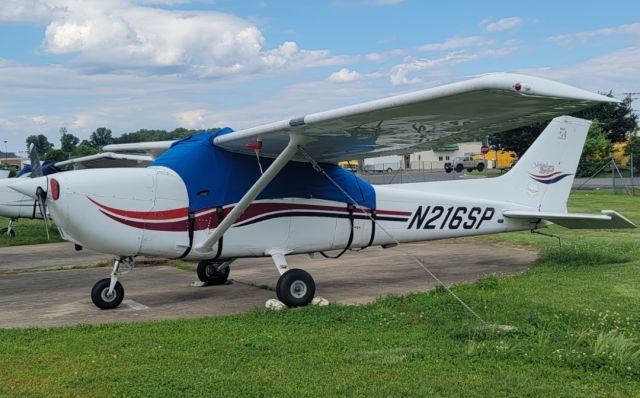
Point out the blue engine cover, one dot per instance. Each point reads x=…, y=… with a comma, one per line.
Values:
x=216, y=177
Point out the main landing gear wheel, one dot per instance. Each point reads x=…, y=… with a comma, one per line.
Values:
x=295, y=288
x=210, y=273
x=101, y=297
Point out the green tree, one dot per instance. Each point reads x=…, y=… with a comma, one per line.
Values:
x=55, y=155
x=616, y=119
x=596, y=152
x=41, y=143
x=84, y=149
x=68, y=142
x=155, y=135
x=633, y=149
x=518, y=140
x=101, y=137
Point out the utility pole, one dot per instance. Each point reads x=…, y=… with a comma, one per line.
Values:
x=6, y=155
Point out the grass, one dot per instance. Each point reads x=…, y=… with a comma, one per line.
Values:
x=28, y=232
x=575, y=312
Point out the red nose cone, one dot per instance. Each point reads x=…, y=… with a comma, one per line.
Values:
x=55, y=189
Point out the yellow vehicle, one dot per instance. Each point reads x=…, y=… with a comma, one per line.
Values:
x=506, y=159
x=351, y=165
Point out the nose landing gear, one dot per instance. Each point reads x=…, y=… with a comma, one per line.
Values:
x=9, y=231
x=108, y=293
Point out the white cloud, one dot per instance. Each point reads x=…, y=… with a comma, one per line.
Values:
x=632, y=29
x=345, y=75
x=501, y=24
x=129, y=35
x=617, y=70
x=399, y=73
x=30, y=11
x=190, y=119
x=456, y=42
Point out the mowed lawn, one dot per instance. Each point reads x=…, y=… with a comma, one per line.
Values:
x=576, y=313
x=28, y=232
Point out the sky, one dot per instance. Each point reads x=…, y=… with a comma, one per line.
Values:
x=161, y=64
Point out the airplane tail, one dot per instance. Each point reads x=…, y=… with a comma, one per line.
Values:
x=543, y=177
x=541, y=181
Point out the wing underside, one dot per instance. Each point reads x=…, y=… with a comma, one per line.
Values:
x=418, y=120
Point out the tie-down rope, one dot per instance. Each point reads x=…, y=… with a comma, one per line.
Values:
x=319, y=169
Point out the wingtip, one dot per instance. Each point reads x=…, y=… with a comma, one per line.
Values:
x=534, y=85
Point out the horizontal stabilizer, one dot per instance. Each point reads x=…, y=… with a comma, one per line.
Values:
x=609, y=219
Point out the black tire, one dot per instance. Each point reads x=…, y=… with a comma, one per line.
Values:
x=480, y=166
x=101, y=299
x=295, y=288
x=448, y=169
x=208, y=272
x=389, y=170
x=3, y=232
x=459, y=168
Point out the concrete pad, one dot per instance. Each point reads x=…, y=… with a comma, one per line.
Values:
x=46, y=256
x=54, y=298
x=361, y=277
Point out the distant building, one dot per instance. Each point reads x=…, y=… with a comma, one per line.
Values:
x=436, y=158
x=10, y=159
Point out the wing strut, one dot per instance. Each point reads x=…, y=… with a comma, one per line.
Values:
x=269, y=174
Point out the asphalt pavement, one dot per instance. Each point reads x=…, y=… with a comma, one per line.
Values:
x=41, y=296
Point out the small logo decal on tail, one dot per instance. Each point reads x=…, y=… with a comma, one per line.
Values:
x=550, y=178
x=546, y=173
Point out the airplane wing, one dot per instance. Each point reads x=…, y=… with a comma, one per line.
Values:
x=105, y=160
x=150, y=148
x=609, y=219
x=414, y=121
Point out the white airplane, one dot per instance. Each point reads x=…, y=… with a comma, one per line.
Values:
x=14, y=205
x=275, y=190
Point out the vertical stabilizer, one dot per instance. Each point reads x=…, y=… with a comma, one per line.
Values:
x=543, y=177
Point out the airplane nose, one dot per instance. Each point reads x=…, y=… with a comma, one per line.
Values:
x=29, y=186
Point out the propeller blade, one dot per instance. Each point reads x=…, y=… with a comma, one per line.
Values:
x=41, y=196
x=36, y=167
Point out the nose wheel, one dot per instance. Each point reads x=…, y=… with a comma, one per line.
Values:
x=9, y=231
x=108, y=293
x=104, y=299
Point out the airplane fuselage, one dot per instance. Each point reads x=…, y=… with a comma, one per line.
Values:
x=150, y=217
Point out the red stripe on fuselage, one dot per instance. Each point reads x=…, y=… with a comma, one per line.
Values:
x=145, y=215
x=210, y=220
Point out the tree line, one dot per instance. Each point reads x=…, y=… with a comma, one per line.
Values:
x=612, y=122
x=72, y=147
